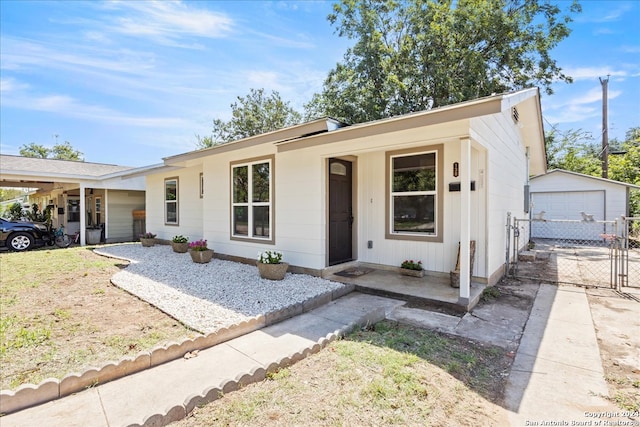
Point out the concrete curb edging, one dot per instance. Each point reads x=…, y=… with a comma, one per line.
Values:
x=28, y=395
x=257, y=374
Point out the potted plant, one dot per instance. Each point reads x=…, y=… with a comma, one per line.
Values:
x=411, y=268
x=270, y=265
x=93, y=235
x=148, y=239
x=180, y=244
x=199, y=251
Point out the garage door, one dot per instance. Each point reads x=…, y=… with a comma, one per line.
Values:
x=568, y=206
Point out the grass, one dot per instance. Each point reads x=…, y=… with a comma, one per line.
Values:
x=388, y=375
x=60, y=314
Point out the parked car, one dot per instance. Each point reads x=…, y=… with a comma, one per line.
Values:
x=22, y=235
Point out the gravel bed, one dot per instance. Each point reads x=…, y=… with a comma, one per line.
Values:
x=207, y=297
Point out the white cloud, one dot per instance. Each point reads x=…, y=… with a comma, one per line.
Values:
x=630, y=48
x=67, y=106
x=11, y=85
x=170, y=20
x=577, y=108
x=591, y=73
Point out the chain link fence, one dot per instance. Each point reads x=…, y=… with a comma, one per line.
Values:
x=586, y=253
x=630, y=252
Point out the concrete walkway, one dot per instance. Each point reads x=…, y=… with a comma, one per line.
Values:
x=557, y=376
x=168, y=392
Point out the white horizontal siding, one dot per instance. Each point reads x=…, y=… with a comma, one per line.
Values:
x=119, y=208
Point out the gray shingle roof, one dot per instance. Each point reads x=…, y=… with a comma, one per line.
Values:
x=17, y=164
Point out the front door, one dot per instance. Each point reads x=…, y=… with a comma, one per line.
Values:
x=340, y=212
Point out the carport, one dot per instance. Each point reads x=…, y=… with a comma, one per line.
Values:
x=82, y=194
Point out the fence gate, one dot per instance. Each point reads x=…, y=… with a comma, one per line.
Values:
x=587, y=253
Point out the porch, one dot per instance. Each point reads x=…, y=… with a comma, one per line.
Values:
x=433, y=291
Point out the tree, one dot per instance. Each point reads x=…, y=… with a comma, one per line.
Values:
x=573, y=150
x=421, y=54
x=577, y=151
x=64, y=151
x=625, y=166
x=11, y=193
x=252, y=115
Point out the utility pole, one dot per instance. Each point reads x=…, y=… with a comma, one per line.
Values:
x=605, y=128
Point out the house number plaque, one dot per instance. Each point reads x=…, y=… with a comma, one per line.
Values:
x=456, y=169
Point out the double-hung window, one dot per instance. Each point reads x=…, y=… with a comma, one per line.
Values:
x=252, y=199
x=171, y=201
x=413, y=195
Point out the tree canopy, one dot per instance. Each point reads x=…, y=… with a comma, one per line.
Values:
x=577, y=151
x=421, y=54
x=64, y=151
x=252, y=115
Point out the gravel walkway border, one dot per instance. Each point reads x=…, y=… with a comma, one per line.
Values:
x=207, y=297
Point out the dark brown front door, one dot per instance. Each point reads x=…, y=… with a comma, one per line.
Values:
x=340, y=212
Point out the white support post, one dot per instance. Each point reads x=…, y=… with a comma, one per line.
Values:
x=105, y=209
x=465, y=221
x=83, y=216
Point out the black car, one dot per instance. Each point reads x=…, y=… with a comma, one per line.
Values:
x=22, y=235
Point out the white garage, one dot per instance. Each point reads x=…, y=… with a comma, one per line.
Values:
x=571, y=196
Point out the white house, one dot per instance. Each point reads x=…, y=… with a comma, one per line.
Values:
x=325, y=193
x=81, y=194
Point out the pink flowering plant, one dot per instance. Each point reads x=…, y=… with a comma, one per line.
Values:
x=411, y=265
x=198, y=245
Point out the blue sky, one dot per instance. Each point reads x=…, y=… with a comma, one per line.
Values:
x=131, y=82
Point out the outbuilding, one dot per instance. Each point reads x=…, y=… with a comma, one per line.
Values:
x=564, y=195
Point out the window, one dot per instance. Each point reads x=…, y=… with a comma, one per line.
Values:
x=98, y=204
x=201, y=185
x=252, y=199
x=171, y=201
x=413, y=204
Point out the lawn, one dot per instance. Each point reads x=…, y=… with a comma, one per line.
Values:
x=59, y=314
x=388, y=375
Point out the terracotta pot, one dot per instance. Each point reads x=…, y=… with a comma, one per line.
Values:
x=201, y=257
x=147, y=242
x=413, y=273
x=273, y=271
x=180, y=247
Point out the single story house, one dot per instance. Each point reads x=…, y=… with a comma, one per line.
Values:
x=325, y=193
x=83, y=195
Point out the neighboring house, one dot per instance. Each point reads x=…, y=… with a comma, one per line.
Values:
x=83, y=195
x=324, y=193
x=570, y=196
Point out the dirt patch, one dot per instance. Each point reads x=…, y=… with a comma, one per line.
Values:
x=617, y=324
x=60, y=314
